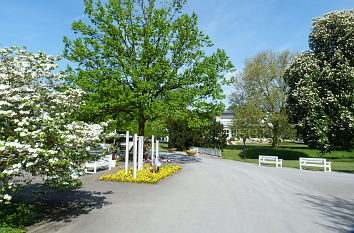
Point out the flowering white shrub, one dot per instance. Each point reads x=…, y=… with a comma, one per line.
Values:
x=38, y=134
x=321, y=84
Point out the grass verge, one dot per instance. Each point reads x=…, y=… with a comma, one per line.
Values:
x=342, y=161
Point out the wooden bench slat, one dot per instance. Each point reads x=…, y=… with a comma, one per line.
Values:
x=106, y=161
x=315, y=162
x=270, y=160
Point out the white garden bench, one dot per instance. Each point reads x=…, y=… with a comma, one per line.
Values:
x=267, y=159
x=105, y=162
x=315, y=162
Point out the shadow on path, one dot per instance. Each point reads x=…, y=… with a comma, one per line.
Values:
x=337, y=211
x=180, y=158
x=63, y=206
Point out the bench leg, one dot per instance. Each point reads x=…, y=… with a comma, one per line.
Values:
x=327, y=168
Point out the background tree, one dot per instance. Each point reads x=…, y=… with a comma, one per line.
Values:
x=38, y=135
x=142, y=60
x=321, y=84
x=214, y=135
x=262, y=84
x=182, y=136
x=247, y=122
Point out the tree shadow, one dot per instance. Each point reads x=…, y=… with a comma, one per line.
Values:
x=254, y=152
x=62, y=206
x=337, y=211
x=180, y=158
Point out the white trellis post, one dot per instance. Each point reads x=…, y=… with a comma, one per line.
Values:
x=157, y=150
x=152, y=150
x=135, y=151
x=126, y=152
x=140, y=153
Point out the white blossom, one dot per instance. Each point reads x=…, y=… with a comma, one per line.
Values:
x=39, y=119
x=7, y=197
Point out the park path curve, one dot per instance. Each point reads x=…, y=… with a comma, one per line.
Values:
x=214, y=195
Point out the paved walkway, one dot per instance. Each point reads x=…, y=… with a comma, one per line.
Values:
x=213, y=195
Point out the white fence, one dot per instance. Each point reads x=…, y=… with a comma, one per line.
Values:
x=208, y=151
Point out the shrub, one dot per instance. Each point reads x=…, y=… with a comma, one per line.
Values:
x=182, y=137
x=14, y=217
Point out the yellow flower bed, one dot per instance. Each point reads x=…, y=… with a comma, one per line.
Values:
x=143, y=176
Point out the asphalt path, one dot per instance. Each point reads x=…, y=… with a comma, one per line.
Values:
x=214, y=195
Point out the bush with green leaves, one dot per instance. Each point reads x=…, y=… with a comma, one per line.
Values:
x=14, y=217
x=182, y=136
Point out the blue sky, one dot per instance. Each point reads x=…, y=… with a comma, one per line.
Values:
x=241, y=28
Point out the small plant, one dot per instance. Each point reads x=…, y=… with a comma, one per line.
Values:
x=15, y=216
x=192, y=151
x=145, y=175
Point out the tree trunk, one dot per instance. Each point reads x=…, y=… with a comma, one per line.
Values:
x=276, y=134
x=142, y=122
x=244, y=148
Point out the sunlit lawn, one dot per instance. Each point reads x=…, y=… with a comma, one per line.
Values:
x=163, y=146
x=341, y=160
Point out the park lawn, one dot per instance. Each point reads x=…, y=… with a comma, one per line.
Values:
x=163, y=146
x=342, y=161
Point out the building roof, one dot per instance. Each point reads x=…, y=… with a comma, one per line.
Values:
x=227, y=115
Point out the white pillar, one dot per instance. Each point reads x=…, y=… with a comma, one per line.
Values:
x=157, y=149
x=135, y=151
x=126, y=152
x=152, y=150
x=140, y=153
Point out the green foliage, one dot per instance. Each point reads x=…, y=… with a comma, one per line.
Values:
x=182, y=136
x=213, y=136
x=157, y=127
x=14, y=217
x=321, y=84
x=143, y=60
x=260, y=95
x=247, y=121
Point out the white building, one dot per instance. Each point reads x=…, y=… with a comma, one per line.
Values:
x=226, y=119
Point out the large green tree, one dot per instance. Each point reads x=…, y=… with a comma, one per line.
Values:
x=262, y=84
x=142, y=59
x=321, y=82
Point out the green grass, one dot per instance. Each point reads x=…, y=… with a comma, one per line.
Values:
x=342, y=161
x=163, y=146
